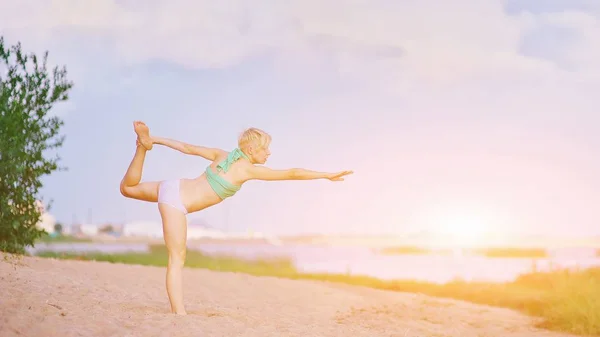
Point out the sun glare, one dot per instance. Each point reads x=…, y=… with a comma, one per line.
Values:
x=460, y=225
x=466, y=226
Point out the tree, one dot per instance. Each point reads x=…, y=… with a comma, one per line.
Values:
x=108, y=228
x=28, y=91
x=58, y=228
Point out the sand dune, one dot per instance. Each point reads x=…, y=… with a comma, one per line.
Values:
x=48, y=297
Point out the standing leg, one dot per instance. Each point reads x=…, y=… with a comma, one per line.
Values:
x=130, y=185
x=175, y=235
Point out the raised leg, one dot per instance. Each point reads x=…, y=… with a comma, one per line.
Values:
x=175, y=235
x=130, y=185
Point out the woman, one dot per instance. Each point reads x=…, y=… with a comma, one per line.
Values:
x=221, y=179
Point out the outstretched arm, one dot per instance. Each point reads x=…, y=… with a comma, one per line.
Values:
x=205, y=152
x=265, y=173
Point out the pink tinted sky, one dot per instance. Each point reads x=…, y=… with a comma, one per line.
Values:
x=449, y=112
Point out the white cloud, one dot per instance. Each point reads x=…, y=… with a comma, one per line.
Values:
x=422, y=48
x=440, y=40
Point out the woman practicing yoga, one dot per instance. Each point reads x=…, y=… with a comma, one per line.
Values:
x=222, y=179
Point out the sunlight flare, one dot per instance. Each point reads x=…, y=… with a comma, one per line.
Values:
x=462, y=225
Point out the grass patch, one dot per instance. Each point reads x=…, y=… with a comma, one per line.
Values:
x=512, y=252
x=568, y=301
x=405, y=250
x=46, y=238
x=158, y=257
x=498, y=252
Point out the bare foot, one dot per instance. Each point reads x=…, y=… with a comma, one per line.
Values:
x=143, y=133
x=180, y=313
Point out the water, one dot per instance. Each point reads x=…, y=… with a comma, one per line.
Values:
x=430, y=268
x=90, y=247
x=366, y=261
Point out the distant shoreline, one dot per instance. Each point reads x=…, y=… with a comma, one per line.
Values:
x=375, y=242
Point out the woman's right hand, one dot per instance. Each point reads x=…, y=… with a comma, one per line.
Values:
x=338, y=176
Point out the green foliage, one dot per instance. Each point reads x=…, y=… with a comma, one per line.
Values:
x=28, y=91
x=158, y=256
x=58, y=228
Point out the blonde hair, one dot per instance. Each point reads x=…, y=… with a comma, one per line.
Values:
x=253, y=136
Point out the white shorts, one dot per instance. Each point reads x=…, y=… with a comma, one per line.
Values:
x=168, y=193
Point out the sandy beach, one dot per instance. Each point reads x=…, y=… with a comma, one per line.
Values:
x=49, y=297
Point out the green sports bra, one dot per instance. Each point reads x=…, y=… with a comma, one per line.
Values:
x=222, y=187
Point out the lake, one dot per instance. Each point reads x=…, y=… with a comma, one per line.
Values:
x=366, y=261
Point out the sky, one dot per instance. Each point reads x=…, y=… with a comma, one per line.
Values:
x=461, y=115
